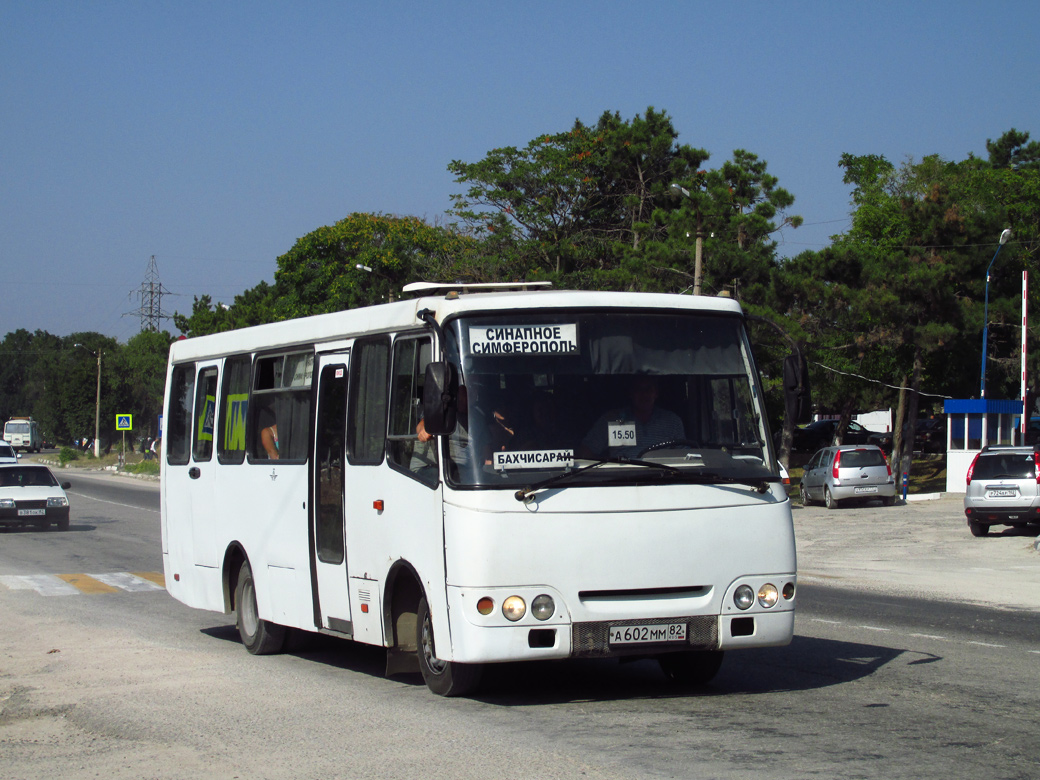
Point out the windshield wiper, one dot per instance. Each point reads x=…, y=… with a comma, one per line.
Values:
x=524, y=493
x=761, y=484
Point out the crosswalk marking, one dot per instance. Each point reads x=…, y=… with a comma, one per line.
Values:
x=152, y=576
x=126, y=581
x=85, y=584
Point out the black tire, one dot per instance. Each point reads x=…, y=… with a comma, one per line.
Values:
x=828, y=499
x=41, y=525
x=889, y=500
x=806, y=501
x=445, y=678
x=260, y=637
x=691, y=668
x=977, y=528
x=63, y=525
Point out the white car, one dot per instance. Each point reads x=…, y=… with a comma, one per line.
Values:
x=7, y=453
x=30, y=495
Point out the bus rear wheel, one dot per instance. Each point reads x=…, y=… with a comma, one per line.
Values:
x=260, y=637
x=691, y=668
x=445, y=678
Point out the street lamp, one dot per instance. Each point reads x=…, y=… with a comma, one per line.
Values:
x=985, y=317
x=678, y=189
x=370, y=270
x=97, y=403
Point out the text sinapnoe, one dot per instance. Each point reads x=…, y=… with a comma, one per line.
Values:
x=524, y=340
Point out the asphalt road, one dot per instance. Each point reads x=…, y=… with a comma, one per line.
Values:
x=907, y=663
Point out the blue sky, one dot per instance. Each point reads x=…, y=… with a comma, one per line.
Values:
x=213, y=135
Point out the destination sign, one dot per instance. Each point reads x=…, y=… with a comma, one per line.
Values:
x=523, y=339
x=533, y=459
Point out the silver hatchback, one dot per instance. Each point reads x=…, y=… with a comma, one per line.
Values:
x=1003, y=488
x=848, y=472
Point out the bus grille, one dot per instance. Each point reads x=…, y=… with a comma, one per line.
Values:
x=590, y=639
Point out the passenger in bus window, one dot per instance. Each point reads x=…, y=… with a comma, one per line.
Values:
x=269, y=440
x=627, y=431
x=492, y=428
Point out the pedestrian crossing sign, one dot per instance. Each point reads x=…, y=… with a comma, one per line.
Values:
x=124, y=422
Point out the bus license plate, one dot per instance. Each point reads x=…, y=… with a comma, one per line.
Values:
x=1001, y=494
x=31, y=512
x=634, y=635
x=871, y=489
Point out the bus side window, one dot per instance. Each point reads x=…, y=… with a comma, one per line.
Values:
x=205, y=414
x=366, y=404
x=281, y=402
x=404, y=450
x=178, y=416
x=234, y=403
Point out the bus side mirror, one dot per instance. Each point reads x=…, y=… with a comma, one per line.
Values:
x=797, y=393
x=440, y=398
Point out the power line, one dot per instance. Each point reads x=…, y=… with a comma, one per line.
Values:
x=876, y=381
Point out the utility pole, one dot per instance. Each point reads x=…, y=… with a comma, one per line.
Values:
x=699, y=243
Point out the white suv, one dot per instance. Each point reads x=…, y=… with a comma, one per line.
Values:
x=1003, y=488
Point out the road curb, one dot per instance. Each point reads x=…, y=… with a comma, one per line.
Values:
x=924, y=496
x=107, y=470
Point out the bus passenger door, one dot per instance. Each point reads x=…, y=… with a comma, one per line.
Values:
x=333, y=601
x=202, y=470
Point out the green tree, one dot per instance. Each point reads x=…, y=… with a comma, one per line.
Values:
x=362, y=260
x=141, y=367
x=255, y=306
x=75, y=386
x=571, y=204
x=910, y=278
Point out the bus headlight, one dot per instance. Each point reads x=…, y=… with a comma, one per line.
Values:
x=543, y=607
x=486, y=605
x=744, y=597
x=514, y=608
x=768, y=595
x=789, y=590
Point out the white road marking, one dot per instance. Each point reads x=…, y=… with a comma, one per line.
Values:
x=44, y=584
x=52, y=585
x=113, y=503
x=127, y=581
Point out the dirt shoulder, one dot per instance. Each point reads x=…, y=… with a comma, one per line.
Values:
x=920, y=548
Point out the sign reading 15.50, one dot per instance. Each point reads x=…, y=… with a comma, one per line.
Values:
x=621, y=434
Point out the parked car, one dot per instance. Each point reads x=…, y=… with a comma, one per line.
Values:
x=821, y=433
x=929, y=436
x=1002, y=488
x=8, y=454
x=30, y=495
x=845, y=473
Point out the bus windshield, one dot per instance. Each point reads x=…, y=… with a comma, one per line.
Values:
x=656, y=397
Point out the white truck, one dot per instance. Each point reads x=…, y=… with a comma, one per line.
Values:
x=23, y=433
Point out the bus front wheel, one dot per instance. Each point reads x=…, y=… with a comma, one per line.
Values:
x=445, y=678
x=694, y=667
x=260, y=637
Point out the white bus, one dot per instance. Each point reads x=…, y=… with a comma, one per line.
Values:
x=23, y=433
x=483, y=477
